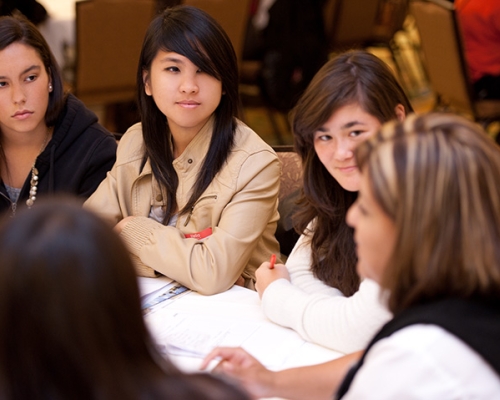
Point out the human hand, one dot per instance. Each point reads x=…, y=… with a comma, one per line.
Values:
x=244, y=368
x=240, y=281
x=265, y=276
x=121, y=225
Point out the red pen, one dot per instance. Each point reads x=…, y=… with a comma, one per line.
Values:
x=272, y=261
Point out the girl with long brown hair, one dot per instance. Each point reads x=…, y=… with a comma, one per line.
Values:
x=319, y=293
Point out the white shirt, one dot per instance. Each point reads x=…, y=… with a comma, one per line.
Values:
x=424, y=362
x=320, y=313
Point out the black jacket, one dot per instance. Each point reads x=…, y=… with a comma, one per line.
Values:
x=76, y=159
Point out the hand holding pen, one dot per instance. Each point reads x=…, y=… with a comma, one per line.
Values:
x=268, y=272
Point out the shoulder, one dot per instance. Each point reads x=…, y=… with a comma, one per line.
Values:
x=250, y=157
x=131, y=145
x=78, y=123
x=425, y=353
x=371, y=287
x=303, y=244
x=248, y=142
x=426, y=339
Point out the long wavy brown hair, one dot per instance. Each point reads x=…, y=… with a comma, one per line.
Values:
x=354, y=77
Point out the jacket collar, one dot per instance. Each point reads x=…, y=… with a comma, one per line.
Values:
x=189, y=161
x=193, y=156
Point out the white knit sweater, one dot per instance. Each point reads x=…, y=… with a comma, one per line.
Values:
x=320, y=313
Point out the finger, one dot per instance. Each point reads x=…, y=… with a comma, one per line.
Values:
x=221, y=353
x=209, y=358
x=265, y=265
x=225, y=367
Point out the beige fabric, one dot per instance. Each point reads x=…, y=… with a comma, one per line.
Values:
x=240, y=205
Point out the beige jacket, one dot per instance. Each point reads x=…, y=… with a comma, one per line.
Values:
x=240, y=205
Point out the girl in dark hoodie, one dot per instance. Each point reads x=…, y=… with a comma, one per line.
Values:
x=49, y=142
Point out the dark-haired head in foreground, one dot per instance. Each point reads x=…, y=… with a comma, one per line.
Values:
x=71, y=325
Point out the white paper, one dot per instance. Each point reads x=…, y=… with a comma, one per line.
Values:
x=150, y=285
x=195, y=335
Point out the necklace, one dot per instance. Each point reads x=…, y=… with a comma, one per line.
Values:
x=33, y=180
x=34, y=176
x=33, y=185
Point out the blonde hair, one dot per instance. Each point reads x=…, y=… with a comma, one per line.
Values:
x=437, y=176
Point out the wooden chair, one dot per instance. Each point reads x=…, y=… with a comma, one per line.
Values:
x=363, y=23
x=444, y=59
x=109, y=36
x=232, y=15
x=291, y=170
x=349, y=23
x=290, y=185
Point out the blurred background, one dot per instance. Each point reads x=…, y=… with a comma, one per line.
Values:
x=280, y=45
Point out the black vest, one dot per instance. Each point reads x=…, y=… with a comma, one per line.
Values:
x=475, y=322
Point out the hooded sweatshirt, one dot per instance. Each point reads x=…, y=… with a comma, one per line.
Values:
x=75, y=160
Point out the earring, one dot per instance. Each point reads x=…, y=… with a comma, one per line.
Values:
x=50, y=87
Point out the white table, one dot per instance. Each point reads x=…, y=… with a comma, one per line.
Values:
x=237, y=316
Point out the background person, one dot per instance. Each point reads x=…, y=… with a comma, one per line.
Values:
x=479, y=21
x=31, y=9
x=318, y=293
x=49, y=142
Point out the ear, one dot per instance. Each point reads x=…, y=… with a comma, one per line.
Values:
x=145, y=80
x=400, y=112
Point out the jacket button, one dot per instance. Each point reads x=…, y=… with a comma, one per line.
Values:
x=190, y=161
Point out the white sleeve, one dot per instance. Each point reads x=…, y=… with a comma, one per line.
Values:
x=344, y=324
x=299, y=266
x=320, y=313
x=423, y=362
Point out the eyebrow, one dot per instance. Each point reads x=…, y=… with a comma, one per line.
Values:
x=351, y=124
x=33, y=67
x=172, y=59
x=29, y=69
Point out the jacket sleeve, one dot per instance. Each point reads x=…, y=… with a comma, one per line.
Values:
x=100, y=161
x=108, y=201
x=322, y=314
x=213, y=264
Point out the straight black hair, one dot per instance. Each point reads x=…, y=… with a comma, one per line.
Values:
x=194, y=34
